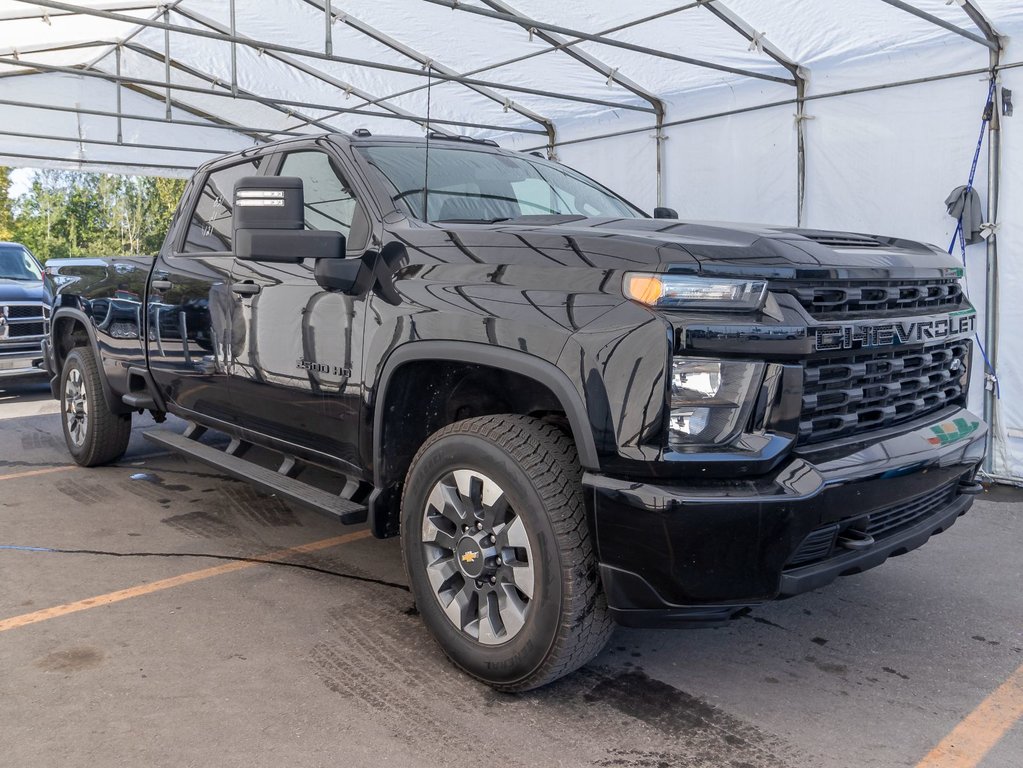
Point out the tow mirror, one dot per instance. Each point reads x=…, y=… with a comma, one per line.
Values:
x=665, y=213
x=351, y=276
x=268, y=223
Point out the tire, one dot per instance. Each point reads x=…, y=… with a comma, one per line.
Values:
x=498, y=551
x=94, y=434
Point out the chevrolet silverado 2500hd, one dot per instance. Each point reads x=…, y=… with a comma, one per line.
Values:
x=570, y=412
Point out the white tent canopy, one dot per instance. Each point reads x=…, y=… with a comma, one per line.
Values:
x=839, y=114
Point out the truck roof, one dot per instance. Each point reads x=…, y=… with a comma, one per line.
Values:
x=362, y=137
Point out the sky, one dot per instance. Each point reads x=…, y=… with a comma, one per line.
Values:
x=21, y=180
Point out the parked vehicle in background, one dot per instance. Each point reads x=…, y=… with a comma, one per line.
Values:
x=60, y=272
x=24, y=313
x=572, y=413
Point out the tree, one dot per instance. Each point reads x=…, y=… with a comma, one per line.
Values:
x=67, y=213
x=6, y=205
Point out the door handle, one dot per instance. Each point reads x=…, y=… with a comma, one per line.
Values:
x=161, y=285
x=246, y=289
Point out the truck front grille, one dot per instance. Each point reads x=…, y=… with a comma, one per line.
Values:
x=875, y=298
x=820, y=544
x=889, y=520
x=23, y=311
x=20, y=330
x=24, y=320
x=864, y=391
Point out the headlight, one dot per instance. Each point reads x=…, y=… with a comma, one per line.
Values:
x=711, y=400
x=689, y=292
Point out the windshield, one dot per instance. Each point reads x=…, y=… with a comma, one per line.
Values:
x=474, y=186
x=16, y=263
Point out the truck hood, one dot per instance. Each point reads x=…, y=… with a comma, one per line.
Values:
x=707, y=247
x=20, y=290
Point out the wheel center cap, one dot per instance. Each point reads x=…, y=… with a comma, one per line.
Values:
x=470, y=557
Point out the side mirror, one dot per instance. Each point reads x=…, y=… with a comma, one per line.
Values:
x=351, y=276
x=268, y=223
x=665, y=213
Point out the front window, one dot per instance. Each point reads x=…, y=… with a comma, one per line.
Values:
x=209, y=231
x=467, y=185
x=16, y=263
x=330, y=204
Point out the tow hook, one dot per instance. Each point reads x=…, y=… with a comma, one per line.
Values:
x=970, y=488
x=855, y=540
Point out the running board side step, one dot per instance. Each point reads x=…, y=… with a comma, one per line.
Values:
x=139, y=401
x=346, y=511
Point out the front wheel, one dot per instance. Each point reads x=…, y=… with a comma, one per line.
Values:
x=498, y=551
x=94, y=434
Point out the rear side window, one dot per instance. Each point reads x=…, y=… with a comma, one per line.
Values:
x=209, y=230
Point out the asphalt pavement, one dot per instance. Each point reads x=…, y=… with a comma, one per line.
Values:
x=146, y=644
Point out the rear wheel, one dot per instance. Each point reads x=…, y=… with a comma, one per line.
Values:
x=93, y=433
x=498, y=551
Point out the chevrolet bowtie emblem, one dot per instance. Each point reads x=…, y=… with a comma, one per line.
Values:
x=469, y=557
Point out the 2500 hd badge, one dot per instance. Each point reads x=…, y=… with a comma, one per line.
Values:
x=903, y=332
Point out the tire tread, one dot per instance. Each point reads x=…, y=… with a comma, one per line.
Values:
x=549, y=458
x=108, y=433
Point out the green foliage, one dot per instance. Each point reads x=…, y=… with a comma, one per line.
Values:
x=6, y=205
x=67, y=213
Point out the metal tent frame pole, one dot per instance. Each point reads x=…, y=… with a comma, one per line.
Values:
x=554, y=48
x=120, y=7
x=249, y=131
x=611, y=74
x=266, y=45
x=184, y=170
x=239, y=92
x=307, y=69
x=431, y=65
x=800, y=76
x=159, y=84
x=994, y=172
x=456, y=5
x=937, y=21
x=18, y=51
x=788, y=102
x=115, y=143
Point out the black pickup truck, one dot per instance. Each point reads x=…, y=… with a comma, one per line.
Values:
x=571, y=412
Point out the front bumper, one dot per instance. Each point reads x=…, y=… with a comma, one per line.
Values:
x=21, y=363
x=699, y=553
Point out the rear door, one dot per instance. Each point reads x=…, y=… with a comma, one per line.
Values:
x=195, y=330
x=298, y=377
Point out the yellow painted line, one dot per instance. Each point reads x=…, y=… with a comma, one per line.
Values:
x=175, y=581
x=980, y=730
x=34, y=472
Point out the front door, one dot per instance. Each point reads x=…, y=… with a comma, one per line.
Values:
x=194, y=321
x=298, y=378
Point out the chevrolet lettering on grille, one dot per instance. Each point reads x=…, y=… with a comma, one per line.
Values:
x=916, y=331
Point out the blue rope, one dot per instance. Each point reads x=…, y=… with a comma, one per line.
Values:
x=25, y=549
x=960, y=236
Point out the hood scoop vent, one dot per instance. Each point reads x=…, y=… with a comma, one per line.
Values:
x=842, y=240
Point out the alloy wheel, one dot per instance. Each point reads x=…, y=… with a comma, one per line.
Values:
x=478, y=557
x=76, y=406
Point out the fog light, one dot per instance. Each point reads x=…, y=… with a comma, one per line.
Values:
x=711, y=400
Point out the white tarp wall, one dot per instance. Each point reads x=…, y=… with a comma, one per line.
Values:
x=878, y=161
